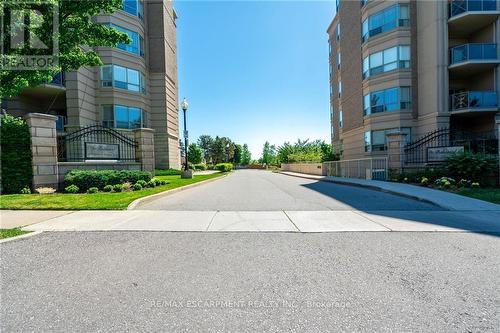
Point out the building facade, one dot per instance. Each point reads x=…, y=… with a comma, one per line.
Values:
x=411, y=67
x=135, y=88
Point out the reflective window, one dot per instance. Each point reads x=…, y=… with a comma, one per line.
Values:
x=340, y=89
x=339, y=60
x=137, y=42
x=385, y=20
x=340, y=119
x=120, y=116
x=377, y=140
x=386, y=60
x=387, y=100
x=122, y=78
x=134, y=7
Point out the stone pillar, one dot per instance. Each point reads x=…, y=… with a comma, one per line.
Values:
x=395, y=151
x=44, y=148
x=145, y=150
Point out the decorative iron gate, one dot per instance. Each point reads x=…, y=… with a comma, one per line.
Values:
x=433, y=148
x=95, y=143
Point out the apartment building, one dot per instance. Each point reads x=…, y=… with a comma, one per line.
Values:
x=135, y=88
x=412, y=67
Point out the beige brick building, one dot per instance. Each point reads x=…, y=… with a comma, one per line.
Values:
x=136, y=87
x=412, y=67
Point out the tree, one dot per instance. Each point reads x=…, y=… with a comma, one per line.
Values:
x=237, y=154
x=268, y=153
x=205, y=142
x=246, y=156
x=218, y=151
x=78, y=35
x=195, y=154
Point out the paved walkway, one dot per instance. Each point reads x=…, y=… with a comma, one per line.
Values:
x=273, y=221
x=443, y=199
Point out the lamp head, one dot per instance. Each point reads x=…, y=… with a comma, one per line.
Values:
x=184, y=104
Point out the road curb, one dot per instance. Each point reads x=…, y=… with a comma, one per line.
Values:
x=371, y=187
x=20, y=237
x=152, y=197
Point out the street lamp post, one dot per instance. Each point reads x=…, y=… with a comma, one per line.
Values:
x=186, y=173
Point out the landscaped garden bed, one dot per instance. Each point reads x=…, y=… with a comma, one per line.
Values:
x=90, y=196
x=471, y=175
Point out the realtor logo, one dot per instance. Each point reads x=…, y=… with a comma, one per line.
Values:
x=29, y=34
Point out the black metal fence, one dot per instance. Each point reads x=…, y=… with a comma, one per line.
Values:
x=433, y=148
x=97, y=143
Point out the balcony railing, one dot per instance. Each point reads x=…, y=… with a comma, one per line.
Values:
x=468, y=52
x=474, y=100
x=458, y=7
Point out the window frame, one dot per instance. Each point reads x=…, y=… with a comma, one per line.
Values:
x=112, y=121
x=138, y=50
x=111, y=83
x=385, y=67
x=403, y=105
x=386, y=25
x=139, y=8
x=369, y=141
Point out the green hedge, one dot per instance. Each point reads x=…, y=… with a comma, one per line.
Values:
x=17, y=171
x=201, y=167
x=86, y=179
x=224, y=167
x=167, y=172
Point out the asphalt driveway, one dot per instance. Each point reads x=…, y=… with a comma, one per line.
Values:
x=250, y=282
x=256, y=190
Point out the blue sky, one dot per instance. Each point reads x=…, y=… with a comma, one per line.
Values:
x=255, y=70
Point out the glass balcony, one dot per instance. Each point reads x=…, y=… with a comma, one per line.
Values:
x=469, y=16
x=474, y=101
x=458, y=7
x=471, y=52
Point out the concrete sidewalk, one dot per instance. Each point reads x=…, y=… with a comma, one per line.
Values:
x=442, y=199
x=273, y=221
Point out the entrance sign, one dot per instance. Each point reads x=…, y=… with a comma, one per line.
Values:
x=440, y=154
x=102, y=151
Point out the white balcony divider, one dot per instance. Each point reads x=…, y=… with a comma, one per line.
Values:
x=375, y=168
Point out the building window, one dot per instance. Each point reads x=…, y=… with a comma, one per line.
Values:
x=387, y=60
x=134, y=7
x=337, y=31
x=363, y=2
x=339, y=60
x=387, y=100
x=340, y=119
x=385, y=20
x=337, y=5
x=122, y=78
x=137, y=44
x=377, y=140
x=125, y=117
x=340, y=89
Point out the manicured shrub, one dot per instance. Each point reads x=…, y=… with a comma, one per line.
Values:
x=137, y=187
x=25, y=190
x=16, y=157
x=142, y=183
x=224, y=167
x=92, y=190
x=156, y=181
x=86, y=179
x=108, y=188
x=424, y=181
x=210, y=167
x=163, y=182
x=45, y=190
x=475, y=185
x=151, y=183
x=476, y=167
x=167, y=172
x=200, y=167
x=72, y=189
x=127, y=187
x=118, y=188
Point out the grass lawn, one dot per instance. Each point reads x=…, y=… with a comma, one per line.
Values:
x=96, y=201
x=486, y=194
x=7, y=233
